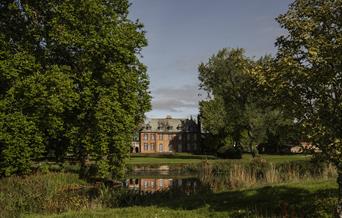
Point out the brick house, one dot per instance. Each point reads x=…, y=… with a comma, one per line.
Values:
x=169, y=135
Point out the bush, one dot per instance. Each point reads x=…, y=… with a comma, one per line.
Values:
x=229, y=152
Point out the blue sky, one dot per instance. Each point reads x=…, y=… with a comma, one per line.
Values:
x=184, y=33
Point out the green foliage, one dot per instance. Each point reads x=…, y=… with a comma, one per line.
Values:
x=19, y=143
x=71, y=70
x=308, y=79
x=239, y=107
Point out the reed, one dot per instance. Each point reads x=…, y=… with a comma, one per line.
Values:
x=260, y=172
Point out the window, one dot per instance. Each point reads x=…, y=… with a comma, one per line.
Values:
x=153, y=137
x=145, y=136
x=160, y=136
x=161, y=182
x=161, y=147
x=150, y=147
x=188, y=146
x=180, y=136
x=188, y=136
x=170, y=136
x=153, y=147
x=195, y=137
x=195, y=146
x=146, y=147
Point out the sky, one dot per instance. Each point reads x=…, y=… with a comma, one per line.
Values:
x=184, y=33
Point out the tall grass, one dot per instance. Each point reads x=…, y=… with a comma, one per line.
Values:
x=53, y=192
x=259, y=172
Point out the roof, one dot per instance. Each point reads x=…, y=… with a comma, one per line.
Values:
x=169, y=124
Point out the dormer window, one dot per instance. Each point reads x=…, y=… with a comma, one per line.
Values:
x=148, y=127
x=169, y=127
x=179, y=127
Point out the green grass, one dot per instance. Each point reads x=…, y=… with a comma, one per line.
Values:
x=136, y=212
x=185, y=158
x=308, y=199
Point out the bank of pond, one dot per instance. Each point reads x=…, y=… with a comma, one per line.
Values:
x=220, y=189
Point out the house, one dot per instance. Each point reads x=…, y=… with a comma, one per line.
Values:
x=169, y=135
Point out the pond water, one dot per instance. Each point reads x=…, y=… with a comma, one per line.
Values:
x=236, y=177
x=154, y=184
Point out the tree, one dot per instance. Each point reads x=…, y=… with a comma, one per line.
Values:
x=239, y=108
x=309, y=74
x=225, y=78
x=82, y=84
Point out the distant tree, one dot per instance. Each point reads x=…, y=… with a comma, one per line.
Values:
x=309, y=78
x=225, y=78
x=70, y=68
x=213, y=120
x=240, y=108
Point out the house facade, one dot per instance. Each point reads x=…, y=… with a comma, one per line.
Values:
x=168, y=134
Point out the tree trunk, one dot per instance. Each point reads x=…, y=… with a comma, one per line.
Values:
x=251, y=147
x=339, y=204
x=84, y=162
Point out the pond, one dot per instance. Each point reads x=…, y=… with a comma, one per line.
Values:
x=160, y=184
x=225, y=178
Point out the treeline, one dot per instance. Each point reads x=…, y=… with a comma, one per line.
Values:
x=71, y=84
x=270, y=99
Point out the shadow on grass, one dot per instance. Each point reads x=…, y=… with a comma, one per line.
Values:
x=276, y=201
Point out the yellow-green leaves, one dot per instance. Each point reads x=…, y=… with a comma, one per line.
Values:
x=314, y=44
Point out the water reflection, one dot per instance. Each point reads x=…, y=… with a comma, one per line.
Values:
x=151, y=185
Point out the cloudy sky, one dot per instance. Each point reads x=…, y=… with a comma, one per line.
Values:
x=184, y=33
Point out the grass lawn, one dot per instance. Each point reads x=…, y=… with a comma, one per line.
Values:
x=186, y=158
x=306, y=199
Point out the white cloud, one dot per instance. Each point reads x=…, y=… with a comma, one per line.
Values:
x=176, y=99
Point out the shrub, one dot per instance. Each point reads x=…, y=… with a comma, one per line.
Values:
x=20, y=142
x=229, y=152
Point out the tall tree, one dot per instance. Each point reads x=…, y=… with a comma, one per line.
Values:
x=225, y=78
x=309, y=78
x=239, y=107
x=84, y=87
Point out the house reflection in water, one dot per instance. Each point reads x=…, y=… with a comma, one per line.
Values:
x=151, y=185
